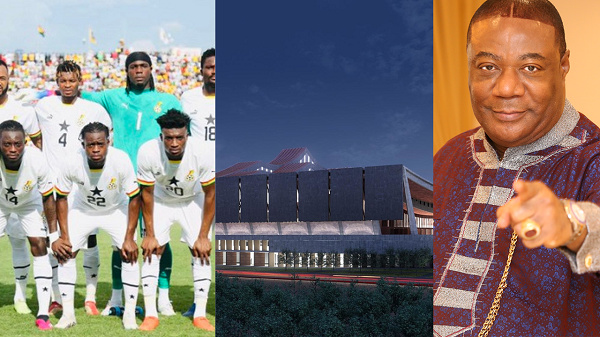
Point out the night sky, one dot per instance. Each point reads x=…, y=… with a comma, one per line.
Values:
x=351, y=82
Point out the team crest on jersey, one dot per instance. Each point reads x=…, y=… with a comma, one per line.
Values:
x=81, y=120
x=158, y=107
x=113, y=184
x=28, y=187
x=190, y=176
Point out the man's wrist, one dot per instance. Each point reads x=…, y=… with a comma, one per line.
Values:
x=577, y=221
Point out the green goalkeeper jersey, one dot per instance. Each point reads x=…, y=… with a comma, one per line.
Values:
x=133, y=115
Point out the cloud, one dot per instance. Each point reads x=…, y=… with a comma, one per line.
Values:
x=262, y=100
x=325, y=55
x=417, y=14
x=398, y=131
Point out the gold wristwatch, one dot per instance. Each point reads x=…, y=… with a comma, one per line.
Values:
x=576, y=217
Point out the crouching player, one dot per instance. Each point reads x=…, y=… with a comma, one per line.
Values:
x=177, y=181
x=22, y=180
x=102, y=179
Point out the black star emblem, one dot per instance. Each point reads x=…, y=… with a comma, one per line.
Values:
x=131, y=296
x=94, y=275
x=45, y=289
x=64, y=126
x=63, y=294
x=210, y=120
x=10, y=190
x=96, y=191
x=201, y=290
x=145, y=285
x=173, y=181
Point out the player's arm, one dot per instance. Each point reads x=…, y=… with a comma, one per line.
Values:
x=97, y=97
x=130, y=248
x=61, y=245
x=202, y=246
x=36, y=140
x=149, y=243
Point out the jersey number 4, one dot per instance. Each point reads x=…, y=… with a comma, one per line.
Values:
x=63, y=140
x=12, y=199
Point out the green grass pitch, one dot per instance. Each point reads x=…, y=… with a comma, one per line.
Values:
x=181, y=293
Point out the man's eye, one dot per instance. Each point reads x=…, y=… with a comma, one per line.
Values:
x=531, y=69
x=487, y=67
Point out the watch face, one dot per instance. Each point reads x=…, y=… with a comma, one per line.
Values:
x=578, y=213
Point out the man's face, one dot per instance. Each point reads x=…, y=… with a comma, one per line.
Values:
x=516, y=79
x=96, y=147
x=139, y=73
x=3, y=81
x=68, y=84
x=209, y=74
x=12, y=144
x=174, y=141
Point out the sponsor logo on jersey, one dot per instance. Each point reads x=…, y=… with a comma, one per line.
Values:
x=113, y=184
x=158, y=107
x=28, y=187
x=190, y=176
x=81, y=120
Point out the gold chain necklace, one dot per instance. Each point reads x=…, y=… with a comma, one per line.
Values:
x=491, y=317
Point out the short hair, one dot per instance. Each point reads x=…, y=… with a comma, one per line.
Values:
x=11, y=125
x=174, y=119
x=540, y=10
x=208, y=53
x=3, y=63
x=92, y=128
x=68, y=67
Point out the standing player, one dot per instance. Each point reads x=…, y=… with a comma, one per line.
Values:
x=199, y=104
x=61, y=119
x=103, y=178
x=10, y=109
x=133, y=110
x=23, y=179
x=169, y=172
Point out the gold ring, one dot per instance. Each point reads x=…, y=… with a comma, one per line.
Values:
x=530, y=226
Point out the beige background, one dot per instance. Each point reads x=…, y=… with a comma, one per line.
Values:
x=452, y=112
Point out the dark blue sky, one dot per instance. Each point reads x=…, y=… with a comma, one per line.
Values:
x=349, y=80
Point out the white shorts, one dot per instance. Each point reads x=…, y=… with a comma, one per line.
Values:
x=30, y=219
x=14, y=228
x=187, y=214
x=83, y=224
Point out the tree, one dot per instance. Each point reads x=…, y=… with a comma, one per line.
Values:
x=320, y=260
x=306, y=259
x=295, y=258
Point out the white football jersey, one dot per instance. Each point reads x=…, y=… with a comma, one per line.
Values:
x=175, y=181
x=22, y=113
x=98, y=190
x=23, y=187
x=201, y=110
x=61, y=125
